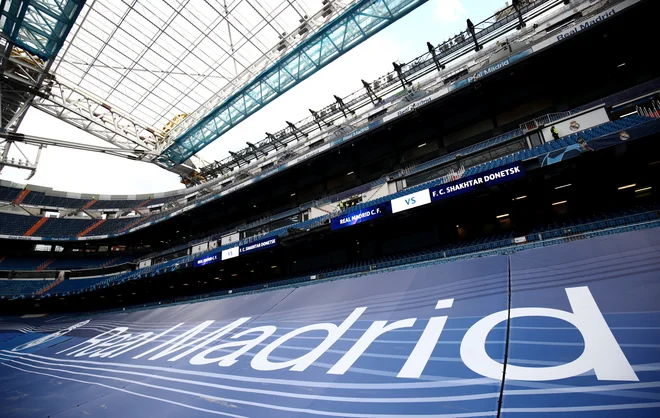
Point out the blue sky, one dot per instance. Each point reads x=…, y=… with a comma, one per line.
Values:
x=79, y=171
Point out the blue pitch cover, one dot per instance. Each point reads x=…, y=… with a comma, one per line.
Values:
x=583, y=340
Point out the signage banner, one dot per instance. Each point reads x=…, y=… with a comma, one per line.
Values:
x=410, y=201
x=490, y=69
x=582, y=25
x=202, y=261
x=470, y=183
x=360, y=216
x=259, y=245
x=615, y=138
x=230, y=253
x=415, y=105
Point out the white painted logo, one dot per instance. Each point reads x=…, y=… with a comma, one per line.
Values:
x=601, y=354
x=49, y=337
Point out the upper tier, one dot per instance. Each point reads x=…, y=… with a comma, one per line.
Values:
x=35, y=227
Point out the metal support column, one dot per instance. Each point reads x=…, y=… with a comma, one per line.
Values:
x=343, y=107
x=276, y=142
x=318, y=119
x=438, y=65
x=372, y=95
x=516, y=6
x=296, y=131
x=399, y=74
x=470, y=28
x=357, y=23
x=256, y=150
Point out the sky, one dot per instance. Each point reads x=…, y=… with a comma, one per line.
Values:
x=86, y=172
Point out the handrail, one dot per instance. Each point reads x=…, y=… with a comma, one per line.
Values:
x=510, y=248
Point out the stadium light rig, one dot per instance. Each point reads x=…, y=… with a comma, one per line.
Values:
x=370, y=92
x=436, y=61
x=485, y=31
x=399, y=73
x=470, y=27
x=342, y=106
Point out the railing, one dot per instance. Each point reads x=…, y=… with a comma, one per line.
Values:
x=485, y=27
x=472, y=170
x=507, y=246
x=445, y=252
x=542, y=120
x=483, y=145
x=625, y=95
x=612, y=99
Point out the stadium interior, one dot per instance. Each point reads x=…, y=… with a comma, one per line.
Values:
x=460, y=128
x=340, y=212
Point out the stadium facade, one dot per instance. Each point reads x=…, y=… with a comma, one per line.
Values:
x=473, y=235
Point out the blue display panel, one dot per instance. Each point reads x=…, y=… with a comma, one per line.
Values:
x=258, y=245
x=470, y=183
x=363, y=215
x=584, y=341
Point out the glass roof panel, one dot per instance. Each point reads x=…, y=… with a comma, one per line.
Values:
x=158, y=58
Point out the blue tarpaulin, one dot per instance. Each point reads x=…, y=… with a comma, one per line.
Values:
x=575, y=325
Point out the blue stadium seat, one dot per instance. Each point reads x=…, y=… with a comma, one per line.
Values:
x=8, y=194
x=22, y=263
x=73, y=285
x=13, y=224
x=17, y=287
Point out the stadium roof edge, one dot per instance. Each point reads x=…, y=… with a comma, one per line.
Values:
x=39, y=26
x=353, y=26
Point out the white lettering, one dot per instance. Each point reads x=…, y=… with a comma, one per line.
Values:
x=601, y=354
x=586, y=25
x=376, y=329
x=181, y=341
x=115, y=348
x=260, y=360
x=154, y=338
x=49, y=337
x=421, y=354
x=117, y=339
x=93, y=342
x=229, y=359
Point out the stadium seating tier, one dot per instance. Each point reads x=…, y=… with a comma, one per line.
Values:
x=70, y=227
